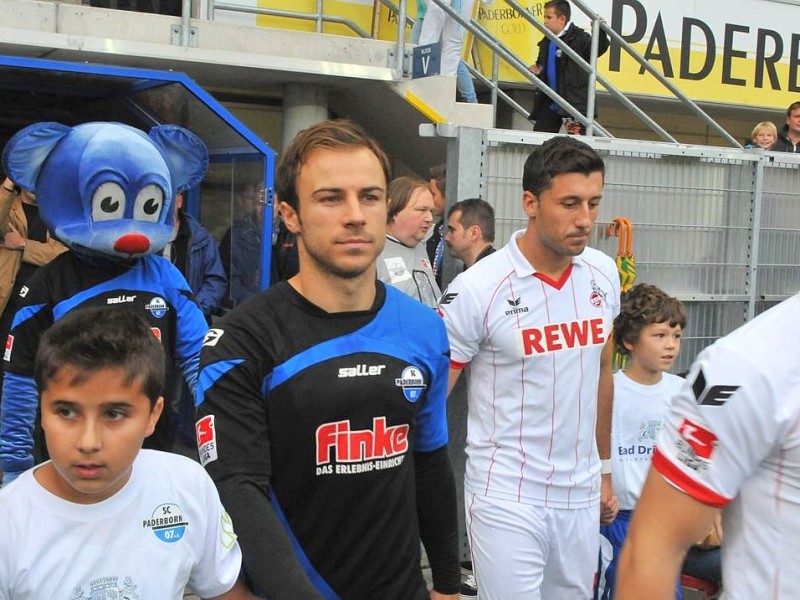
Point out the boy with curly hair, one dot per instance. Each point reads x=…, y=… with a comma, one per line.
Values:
x=648, y=331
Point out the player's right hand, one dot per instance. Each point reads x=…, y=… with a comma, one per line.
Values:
x=535, y=69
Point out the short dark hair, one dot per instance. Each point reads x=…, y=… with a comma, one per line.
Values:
x=400, y=192
x=475, y=211
x=92, y=339
x=338, y=133
x=643, y=305
x=792, y=107
x=561, y=7
x=438, y=173
x=559, y=155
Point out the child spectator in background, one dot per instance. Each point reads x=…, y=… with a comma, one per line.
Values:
x=763, y=136
x=648, y=330
x=104, y=518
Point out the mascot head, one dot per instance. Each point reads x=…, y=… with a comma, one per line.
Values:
x=106, y=188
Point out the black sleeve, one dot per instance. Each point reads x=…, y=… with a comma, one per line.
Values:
x=602, y=43
x=269, y=560
x=438, y=520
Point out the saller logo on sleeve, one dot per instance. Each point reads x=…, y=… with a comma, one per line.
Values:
x=557, y=337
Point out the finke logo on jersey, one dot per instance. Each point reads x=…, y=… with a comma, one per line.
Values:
x=23, y=291
x=695, y=445
x=597, y=297
x=516, y=309
x=167, y=523
x=557, y=337
x=107, y=588
x=212, y=337
x=157, y=307
x=361, y=370
x=344, y=451
x=9, y=348
x=716, y=395
x=412, y=382
x=206, y=439
x=122, y=299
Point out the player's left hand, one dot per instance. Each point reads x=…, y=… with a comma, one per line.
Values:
x=439, y=596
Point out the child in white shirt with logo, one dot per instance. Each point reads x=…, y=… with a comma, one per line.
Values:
x=103, y=518
x=648, y=332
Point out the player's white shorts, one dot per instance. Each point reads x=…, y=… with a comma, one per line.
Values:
x=530, y=552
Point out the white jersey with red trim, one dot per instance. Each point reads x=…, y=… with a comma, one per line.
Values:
x=533, y=347
x=733, y=440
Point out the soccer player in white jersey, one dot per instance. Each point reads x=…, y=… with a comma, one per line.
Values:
x=533, y=321
x=732, y=441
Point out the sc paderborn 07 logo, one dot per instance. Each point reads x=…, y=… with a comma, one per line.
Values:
x=167, y=523
x=412, y=383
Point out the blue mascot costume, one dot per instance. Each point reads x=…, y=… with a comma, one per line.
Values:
x=105, y=190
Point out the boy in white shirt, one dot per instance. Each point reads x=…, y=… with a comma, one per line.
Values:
x=648, y=331
x=103, y=518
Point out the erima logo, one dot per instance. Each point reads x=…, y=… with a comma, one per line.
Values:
x=23, y=291
x=716, y=395
x=361, y=371
x=516, y=309
x=447, y=298
x=120, y=299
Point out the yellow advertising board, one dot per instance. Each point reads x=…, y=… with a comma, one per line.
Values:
x=358, y=11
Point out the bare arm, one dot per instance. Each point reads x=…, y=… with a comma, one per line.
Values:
x=452, y=379
x=609, y=506
x=665, y=523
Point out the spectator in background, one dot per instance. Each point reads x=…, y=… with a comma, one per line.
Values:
x=763, y=136
x=285, y=262
x=435, y=243
x=470, y=230
x=194, y=252
x=26, y=246
x=464, y=84
x=559, y=72
x=240, y=248
x=404, y=261
x=789, y=136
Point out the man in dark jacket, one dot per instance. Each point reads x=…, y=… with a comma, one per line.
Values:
x=195, y=253
x=789, y=135
x=560, y=72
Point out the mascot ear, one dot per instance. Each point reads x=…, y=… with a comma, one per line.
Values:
x=27, y=150
x=186, y=153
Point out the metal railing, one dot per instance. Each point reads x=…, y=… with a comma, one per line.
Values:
x=502, y=52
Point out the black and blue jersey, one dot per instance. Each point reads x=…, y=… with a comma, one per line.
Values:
x=325, y=415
